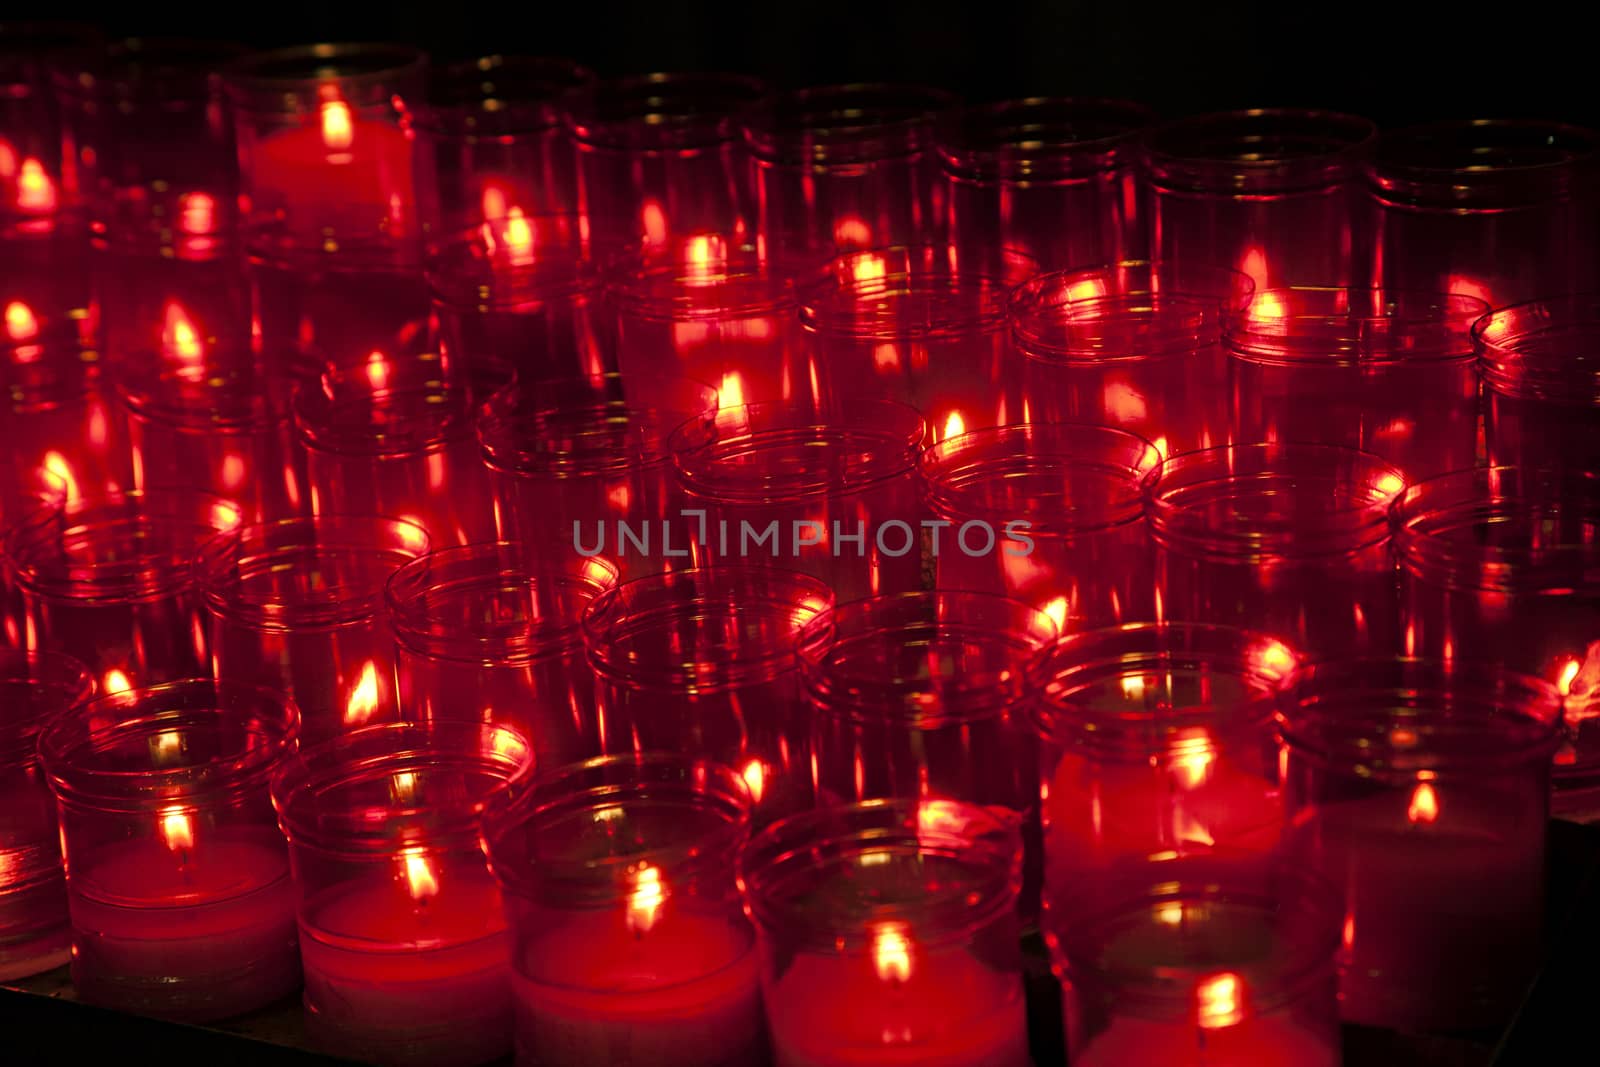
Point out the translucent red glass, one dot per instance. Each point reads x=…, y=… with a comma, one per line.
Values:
x=1230, y=291
x=1055, y=178
x=1541, y=382
x=32, y=186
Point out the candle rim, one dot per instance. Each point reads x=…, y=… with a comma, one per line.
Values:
x=1042, y=138
x=1410, y=166
x=844, y=123
x=1232, y=291
x=238, y=396
x=460, y=95
x=1108, y=330
x=1323, y=326
x=1518, y=357
x=603, y=116
x=252, y=85
x=50, y=674
x=745, y=288
x=412, y=419
x=463, y=274
x=947, y=299
x=1212, y=153
x=174, y=69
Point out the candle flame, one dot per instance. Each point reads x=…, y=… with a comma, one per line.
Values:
x=21, y=323
x=1273, y=658
x=1056, y=609
x=233, y=471
x=377, y=370
x=519, y=238
x=1191, y=768
x=655, y=224
x=1133, y=686
x=1170, y=913
x=1390, y=484
x=166, y=748
x=1254, y=263
x=338, y=129
x=1086, y=289
x=704, y=253
x=178, y=335
x=35, y=190
x=115, y=681
x=177, y=829
x=403, y=787
x=755, y=779
x=363, y=699
x=420, y=878
x=954, y=426
x=1123, y=402
x=869, y=268
x=1218, y=1000
x=851, y=232
x=494, y=203
x=1569, y=674
x=645, y=899
x=197, y=214
x=891, y=952
x=1424, y=806
x=886, y=357
x=731, y=394
x=56, y=473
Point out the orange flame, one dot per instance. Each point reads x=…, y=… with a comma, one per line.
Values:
x=891, y=952
x=178, y=335
x=197, y=213
x=177, y=829
x=1191, y=768
x=494, y=204
x=420, y=878
x=115, y=681
x=655, y=224
x=1272, y=657
x=1569, y=673
x=363, y=699
x=21, y=322
x=731, y=394
x=1056, y=608
x=1219, y=1000
x=851, y=232
x=755, y=779
x=1254, y=263
x=56, y=474
x=35, y=190
x=1389, y=485
x=338, y=128
x=1424, y=806
x=644, y=901
x=166, y=748
x=377, y=370
x=869, y=268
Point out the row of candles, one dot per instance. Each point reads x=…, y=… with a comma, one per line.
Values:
x=412, y=460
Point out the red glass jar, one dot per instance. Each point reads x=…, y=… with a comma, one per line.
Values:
x=35, y=934
x=582, y=464
x=491, y=633
x=31, y=143
x=297, y=606
x=713, y=312
x=846, y=167
x=888, y=934
x=1157, y=737
x=1064, y=500
x=1405, y=781
x=1541, y=383
x=1499, y=565
x=1230, y=291
x=1288, y=539
x=629, y=944
x=178, y=880
x=1055, y=178
x=659, y=157
x=109, y=580
x=1383, y=370
x=1224, y=960
x=833, y=496
x=401, y=931
x=704, y=661
x=1271, y=193
x=1500, y=210
x=922, y=327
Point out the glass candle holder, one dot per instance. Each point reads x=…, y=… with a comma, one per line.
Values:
x=628, y=940
x=297, y=606
x=704, y=661
x=833, y=496
x=1271, y=193
x=846, y=167
x=581, y=465
x=1230, y=291
x=182, y=907
x=1387, y=371
x=918, y=326
x=1288, y=539
x=714, y=312
x=888, y=934
x=1405, y=781
x=1499, y=210
x=491, y=633
x=1542, y=403
x=659, y=157
x=1065, y=499
x=1157, y=737
x=32, y=188
x=389, y=437
x=1053, y=177
x=35, y=934
x=1222, y=960
x=109, y=579
x=1498, y=565
x=402, y=936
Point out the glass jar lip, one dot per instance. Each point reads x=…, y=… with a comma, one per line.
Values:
x=36, y=43
x=1042, y=138
x=953, y=470
x=618, y=782
x=1468, y=164
x=661, y=110
x=1232, y=291
x=884, y=438
x=629, y=612
x=431, y=416
x=1065, y=675
x=225, y=397
x=54, y=672
x=854, y=122
x=1441, y=523
x=500, y=96
x=465, y=571
x=273, y=733
x=980, y=845
x=271, y=80
x=1405, y=719
x=560, y=264
x=1049, y=326
x=173, y=70
x=739, y=284
x=1354, y=326
x=1001, y=626
x=860, y=295
x=1179, y=491
x=1232, y=152
x=220, y=560
x=305, y=787
x=1518, y=353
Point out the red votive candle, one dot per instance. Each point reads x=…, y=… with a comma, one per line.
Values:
x=35, y=934
x=1157, y=737
x=1271, y=193
x=713, y=312
x=297, y=606
x=1063, y=503
x=659, y=157
x=109, y=579
x=582, y=465
x=182, y=906
x=920, y=326
x=704, y=661
x=1421, y=788
x=491, y=633
x=833, y=496
x=1291, y=540
x=1501, y=210
x=889, y=935
x=1499, y=565
x=1542, y=400
x=402, y=936
x=629, y=945
x=1053, y=177
x=31, y=141
x=845, y=167
x=1199, y=961
x=1384, y=370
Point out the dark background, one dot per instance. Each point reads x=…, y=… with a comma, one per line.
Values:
x=1395, y=61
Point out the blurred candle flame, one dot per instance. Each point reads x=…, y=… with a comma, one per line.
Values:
x=1424, y=807
x=1254, y=263
x=338, y=129
x=731, y=393
x=377, y=370
x=1569, y=674
x=1170, y=913
x=197, y=214
x=1272, y=657
x=115, y=681
x=1133, y=686
x=403, y=787
x=21, y=323
x=1056, y=609
x=35, y=190
x=954, y=426
x=363, y=699
x=420, y=878
x=755, y=779
x=891, y=952
x=178, y=336
x=655, y=224
x=56, y=473
x=1218, y=1000
x=177, y=830
x=166, y=748
x=851, y=232
x=645, y=898
x=1390, y=485
x=868, y=268
x=1085, y=289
